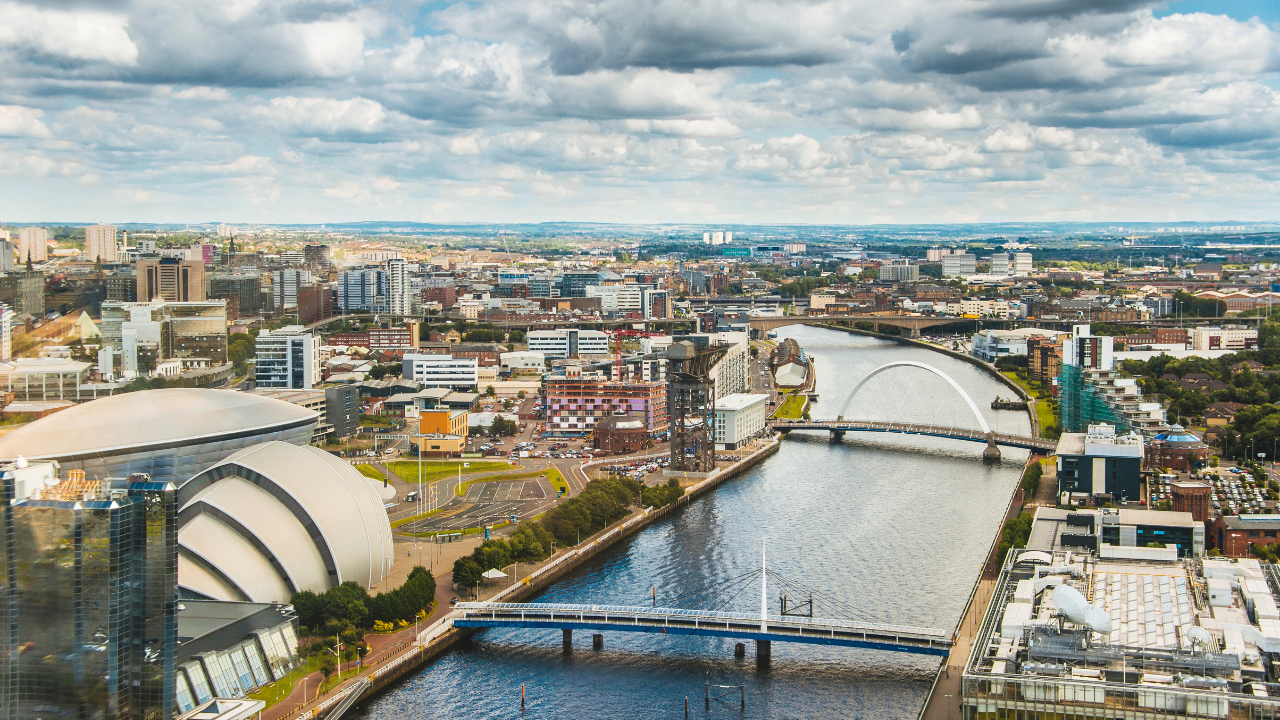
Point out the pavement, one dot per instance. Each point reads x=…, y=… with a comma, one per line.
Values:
x=944, y=702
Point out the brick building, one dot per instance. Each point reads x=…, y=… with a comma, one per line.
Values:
x=446, y=296
x=1233, y=534
x=315, y=303
x=1044, y=359
x=574, y=403
x=486, y=354
x=620, y=434
x=1194, y=498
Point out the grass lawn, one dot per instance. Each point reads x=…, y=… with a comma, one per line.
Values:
x=1044, y=413
x=792, y=408
x=435, y=469
x=284, y=686
x=370, y=471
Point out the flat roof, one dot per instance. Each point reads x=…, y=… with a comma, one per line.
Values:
x=1071, y=444
x=739, y=401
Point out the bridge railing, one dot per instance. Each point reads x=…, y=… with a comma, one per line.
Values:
x=491, y=609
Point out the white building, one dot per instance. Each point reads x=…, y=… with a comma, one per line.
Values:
x=398, y=290
x=6, y=333
x=740, y=418
x=732, y=374
x=1223, y=338
x=985, y=308
x=959, y=265
x=1000, y=264
x=285, y=284
x=900, y=273
x=991, y=345
x=510, y=362
x=100, y=242
x=224, y=231
x=287, y=358
x=568, y=343
x=33, y=242
x=362, y=290
x=1022, y=264
x=441, y=370
x=818, y=301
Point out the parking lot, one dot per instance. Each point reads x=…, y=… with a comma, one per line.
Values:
x=1235, y=491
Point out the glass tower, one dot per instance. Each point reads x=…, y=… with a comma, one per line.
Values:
x=90, y=579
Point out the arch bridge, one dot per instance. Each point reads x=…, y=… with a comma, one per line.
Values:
x=983, y=434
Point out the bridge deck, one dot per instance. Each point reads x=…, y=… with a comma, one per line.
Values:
x=1019, y=441
x=671, y=621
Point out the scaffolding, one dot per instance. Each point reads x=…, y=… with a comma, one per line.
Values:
x=1081, y=405
x=691, y=400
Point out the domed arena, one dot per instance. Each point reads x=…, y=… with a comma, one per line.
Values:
x=276, y=518
x=171, y=434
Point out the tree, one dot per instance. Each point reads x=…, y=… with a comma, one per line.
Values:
x=467, y=572
x=490, y=391
x=755, y=352
x=520, y=395
x=328, y=664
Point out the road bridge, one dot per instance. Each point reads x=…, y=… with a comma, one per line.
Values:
x=707, y=623
x=912, y=323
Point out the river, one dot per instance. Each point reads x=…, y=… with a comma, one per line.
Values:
x=896, y=528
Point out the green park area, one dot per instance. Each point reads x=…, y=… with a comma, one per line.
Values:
x=435, y=469
x=370, y=471
x=1044, y=405
x=792, y=408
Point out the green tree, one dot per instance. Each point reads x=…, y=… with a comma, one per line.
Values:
x=490, y=391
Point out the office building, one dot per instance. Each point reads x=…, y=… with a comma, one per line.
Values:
x=147, y=334
x=287, y=358
x=285, y=285
x=170, y=434
x=531, y=361
x=739, y=419
x=33, y=244
x=569, y=343
x=1000, y=264
x=8, y=262
x=100, y=244
x=575, y=403
x=362, y=291
x=24, y=292
x=1100, y=465
x=316, y=256
x=1224, y=338
x=170, y=279
x=398, y=287
x=900, y=273
x=991, y=345
x=337, y=406
x=6, y=333
x=242, y=291
x=264, y=523
x=122, y=286
x=574, y=283
x=91, y=615
x=446, y=295
x=315, y=303
x=440, y=370
x=959, y=265
x=1022, y=264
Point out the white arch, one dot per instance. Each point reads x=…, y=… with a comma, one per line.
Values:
x=911, y=363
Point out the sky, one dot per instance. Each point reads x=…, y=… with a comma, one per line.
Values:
x=639, y=111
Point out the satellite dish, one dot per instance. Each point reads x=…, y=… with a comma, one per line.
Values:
x=1075, y=608
x=1199, y=638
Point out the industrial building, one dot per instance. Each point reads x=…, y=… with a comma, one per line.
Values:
x=1139, y=634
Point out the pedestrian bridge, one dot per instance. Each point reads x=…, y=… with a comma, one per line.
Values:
x=838, y=427
x=709, y=623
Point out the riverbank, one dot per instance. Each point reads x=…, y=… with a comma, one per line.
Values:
x=436, y=639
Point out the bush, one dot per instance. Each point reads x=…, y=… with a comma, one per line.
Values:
x=1014, y=535
x=350, y=604
x=662, y=495
x=599, y=504
x=1031, y=479
x=529, y=543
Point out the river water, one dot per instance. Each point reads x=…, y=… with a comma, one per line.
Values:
x=889, y=528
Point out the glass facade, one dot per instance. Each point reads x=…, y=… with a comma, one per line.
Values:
x=90, y=593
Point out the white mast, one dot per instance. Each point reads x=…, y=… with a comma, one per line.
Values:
x=764, y=599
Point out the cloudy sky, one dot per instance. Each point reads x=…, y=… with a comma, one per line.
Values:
x=715, y=111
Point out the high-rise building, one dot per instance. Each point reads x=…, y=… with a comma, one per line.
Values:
x=147, y=334
x=287, y=358
x=935, y=254
x=6, y=333
x=398, y=286
x=170, y=279
x=23, y=291
x=315, y=303
x=316, y=255
x=1000, y=264
x=1022, y=264
x=33, y=242
x=285, y=284
x=243, y=293
x=91, y=618
x=362, y=291
x=100, y=243
x=8, y=250
x=900, y=273
x=959, y=265
x=225, y=231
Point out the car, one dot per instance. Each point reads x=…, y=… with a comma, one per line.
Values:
x=453, y=602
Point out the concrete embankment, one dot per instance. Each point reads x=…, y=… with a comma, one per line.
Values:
x=438, y=638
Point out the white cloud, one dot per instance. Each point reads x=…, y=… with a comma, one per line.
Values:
x=19, y=121
x=76, y=35
x=203, y=93
x=323, y=115
x=679, y=127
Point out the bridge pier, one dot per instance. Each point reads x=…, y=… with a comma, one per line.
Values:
x=568, y=640
x=992, y=451
x=740, y=650
x=764, y=651
x=597, y=641
x=837, y=435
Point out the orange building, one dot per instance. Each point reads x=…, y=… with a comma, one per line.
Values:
x=443, y=421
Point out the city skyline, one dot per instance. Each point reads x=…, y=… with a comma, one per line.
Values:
x=752, y=112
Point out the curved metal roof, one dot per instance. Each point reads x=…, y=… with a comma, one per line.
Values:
x=311, y=519
x=132, y=421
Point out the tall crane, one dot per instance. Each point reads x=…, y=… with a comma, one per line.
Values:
x=618, y=334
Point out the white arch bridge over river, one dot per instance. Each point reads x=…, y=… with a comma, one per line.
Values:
x=983, y=433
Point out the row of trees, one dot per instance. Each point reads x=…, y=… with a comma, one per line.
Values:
x=1014, y=535
x=662, y=495
x=529, y=543
x=600, y=503
x=349, y=603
